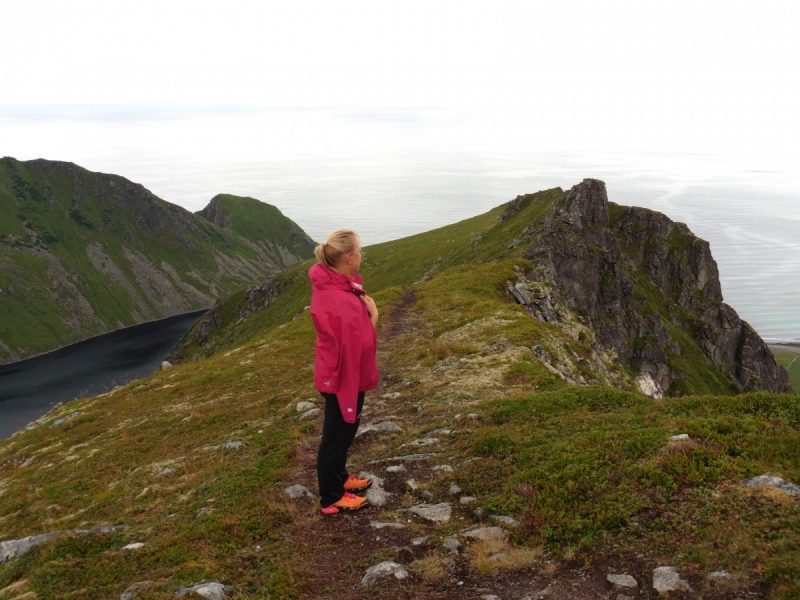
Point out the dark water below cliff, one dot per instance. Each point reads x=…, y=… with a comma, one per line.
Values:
x=29, y=388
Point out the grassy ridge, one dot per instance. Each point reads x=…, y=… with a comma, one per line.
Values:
x=789, y=360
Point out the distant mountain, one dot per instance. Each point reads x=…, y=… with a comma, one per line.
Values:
x=82, y=253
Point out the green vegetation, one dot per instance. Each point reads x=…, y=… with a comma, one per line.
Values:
x=789, y=359
x=589, y=471
x=103, y=252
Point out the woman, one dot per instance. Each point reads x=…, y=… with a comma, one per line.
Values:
x=345, y=366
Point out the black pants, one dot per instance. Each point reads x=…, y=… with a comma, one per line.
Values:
x=337, y=435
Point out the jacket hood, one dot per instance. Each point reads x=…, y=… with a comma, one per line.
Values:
x=323, y=278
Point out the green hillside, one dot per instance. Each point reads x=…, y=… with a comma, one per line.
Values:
x=83, y=253
x=789, y=358
x=501, y=413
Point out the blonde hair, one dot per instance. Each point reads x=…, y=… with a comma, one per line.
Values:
x=336, y=245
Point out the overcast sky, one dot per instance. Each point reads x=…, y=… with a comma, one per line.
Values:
x=699, y=76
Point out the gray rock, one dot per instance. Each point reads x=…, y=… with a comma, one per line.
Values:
x=133, y=546
x=382, y=427
x=473, y=416
x=428, y=494
x=384, y=569
x=375, y=495
x=421, y=442
x=490, y=596
x=232, y=445
x=449, y=564
x=13, y=548
x=454, y=490
x=419, y=541
x=165, y=364
x=440, y=431
x=396, y=468
x=391, y=395
x=485, y=533
x=166, y=471
x=452, y=544
x=210, y=590
x=719, y=575
x=622, y=580
x=443, y=468
x=680, y=437
x=435, y=513
x=310, y=413
x=382, y=525
x=407, y=457
x=304, y=406
x=649, y=386
x=506, y=520
x=133, y=590
x=786, y=487
x=63, y=420
x=666, y=579
x=624, y=597
x=298, y=491
x=467, y=499
x=412, y=485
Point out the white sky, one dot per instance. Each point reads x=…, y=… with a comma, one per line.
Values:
x=699, y=76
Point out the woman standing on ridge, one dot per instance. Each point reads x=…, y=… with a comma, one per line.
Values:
x=345, y=367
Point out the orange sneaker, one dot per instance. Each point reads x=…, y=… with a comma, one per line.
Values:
x=350, y=502
x=354, y=484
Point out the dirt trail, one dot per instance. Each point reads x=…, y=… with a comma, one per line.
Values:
x=338, y=550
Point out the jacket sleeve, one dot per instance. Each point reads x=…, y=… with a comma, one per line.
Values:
x=349, y=367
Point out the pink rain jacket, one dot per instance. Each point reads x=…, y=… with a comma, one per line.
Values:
x=346, y=340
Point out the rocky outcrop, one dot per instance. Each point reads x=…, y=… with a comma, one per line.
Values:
x=649, y=288
x=198, y=341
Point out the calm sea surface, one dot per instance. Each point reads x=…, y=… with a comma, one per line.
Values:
x=30, y=388
x=751, y=218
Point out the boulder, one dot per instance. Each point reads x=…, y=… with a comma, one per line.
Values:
x=165, y=365
x=435, y=513
x=666, y=579
x=382, y=427
x=622, y=580
x=13, y=548
x=298, y=491
x=209, y=590
x=384, y=569
x=792, y=489
x=485, y=533
x=649, y=386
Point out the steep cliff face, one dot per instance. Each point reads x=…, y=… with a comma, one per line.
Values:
x=650, y=289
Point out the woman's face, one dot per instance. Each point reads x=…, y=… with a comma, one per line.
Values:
x=351, y=262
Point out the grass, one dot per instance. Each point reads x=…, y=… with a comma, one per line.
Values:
x=789, y=360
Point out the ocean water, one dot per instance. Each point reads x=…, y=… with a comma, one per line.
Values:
x=751, y=219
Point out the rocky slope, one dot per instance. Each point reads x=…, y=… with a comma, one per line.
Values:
x=83, y=253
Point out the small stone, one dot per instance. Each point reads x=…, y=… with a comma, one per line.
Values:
x=391, y=395
x=454, y=490
x=419, y=541
x=443, y=468
x=666, y=579
x=310, y=413
x=209, y=591
x=382, y=427
x=622, y=580
x=165, y=364
x=719, y=575
x=624, y=597
x=421, y=442
x=381, y=525
x=133, y=546
x=440, y=431
x=63, y=420
x=786, y=487
x=452, y=544
x=478, y=514
x=298, y=491
x=304, y=406
x=412, y=485
x=679, y=437
x=436, y=513
x=457, y=417
x=506, y=520
x=232, y=445
x=473, y=416
x=384, y=569
x=467, y=499
x=449, y=564
x=166, y=471
x=396, y=468
x=428, y=494
x=485, y=533
x=491, y=596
